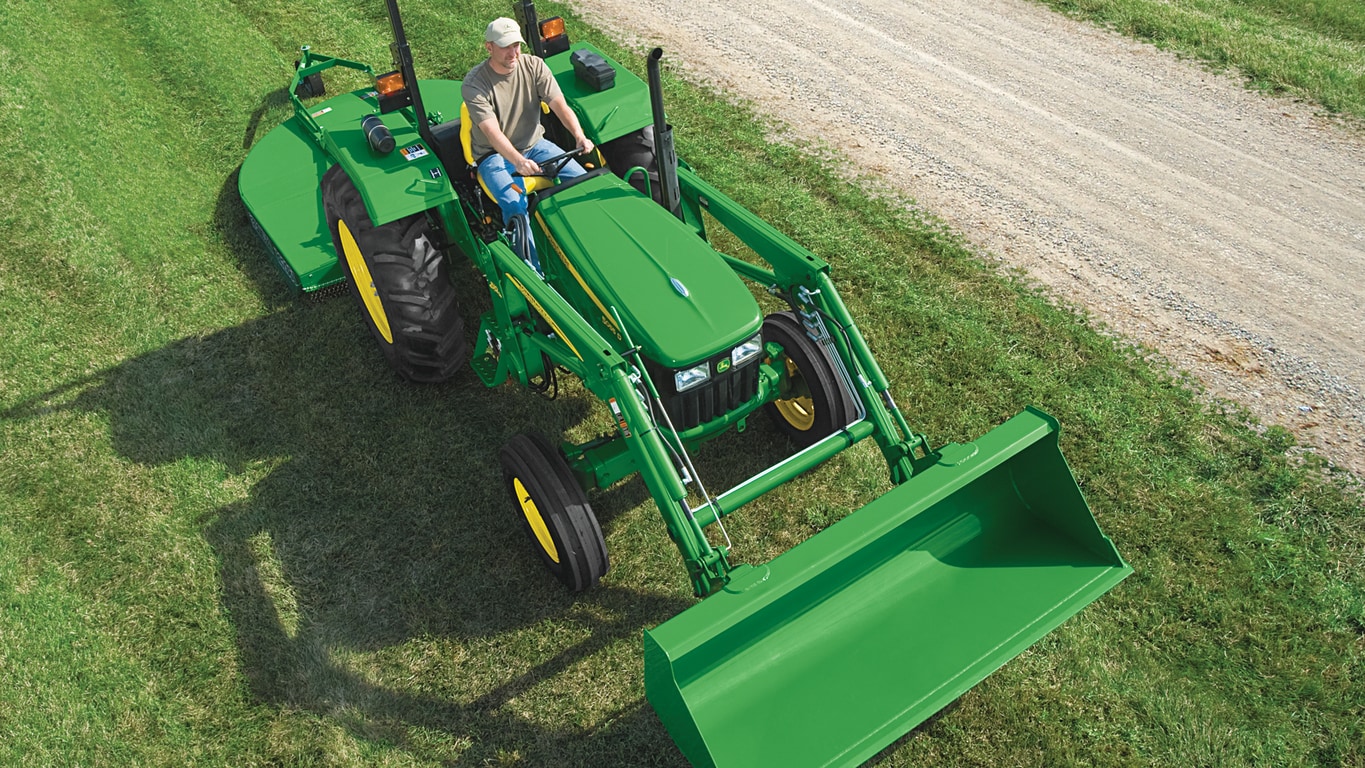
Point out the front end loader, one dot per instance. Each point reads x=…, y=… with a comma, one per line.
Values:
x=832, y=650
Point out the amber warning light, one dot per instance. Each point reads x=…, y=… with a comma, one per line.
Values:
x=393, y=92
x=554, y=38
x=389, y=84
x=551, y=28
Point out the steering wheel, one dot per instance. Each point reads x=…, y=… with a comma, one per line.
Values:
x=554, y=165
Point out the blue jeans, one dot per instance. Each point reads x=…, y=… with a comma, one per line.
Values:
x=500, y=177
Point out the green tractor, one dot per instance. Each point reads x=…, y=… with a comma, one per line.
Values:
x=834, y=649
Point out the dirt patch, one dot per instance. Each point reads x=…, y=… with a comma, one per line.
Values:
x=1224, y=229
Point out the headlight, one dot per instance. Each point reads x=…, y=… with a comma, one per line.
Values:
x=692, y=377
x=746, y=351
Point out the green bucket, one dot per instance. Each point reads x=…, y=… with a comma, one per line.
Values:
x=835, y=649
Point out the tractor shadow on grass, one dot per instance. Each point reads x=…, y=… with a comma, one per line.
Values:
x=371, y=565
x=275, y=103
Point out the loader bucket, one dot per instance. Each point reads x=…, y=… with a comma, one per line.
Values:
x=841, y=645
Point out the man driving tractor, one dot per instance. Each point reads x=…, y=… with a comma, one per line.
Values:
x=504, y=94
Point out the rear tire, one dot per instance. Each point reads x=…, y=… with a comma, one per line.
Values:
x=554, y=511
x=814, y=402
x=400, y=281
x=631, y=151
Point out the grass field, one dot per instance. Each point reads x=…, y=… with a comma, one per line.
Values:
x=228, y=536
x=1310, y=49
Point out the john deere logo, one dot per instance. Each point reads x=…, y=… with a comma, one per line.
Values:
x=722, y=366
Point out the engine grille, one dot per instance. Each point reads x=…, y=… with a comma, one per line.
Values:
x=722, y=393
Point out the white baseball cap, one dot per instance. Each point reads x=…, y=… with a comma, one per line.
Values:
x=503, y=32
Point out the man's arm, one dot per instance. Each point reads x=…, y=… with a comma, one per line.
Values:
x=498, y=140
x=570, y=120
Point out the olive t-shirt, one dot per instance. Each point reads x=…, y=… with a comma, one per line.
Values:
x=514, y=99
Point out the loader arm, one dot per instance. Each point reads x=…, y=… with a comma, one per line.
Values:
x=803, y=279
x=576, y=345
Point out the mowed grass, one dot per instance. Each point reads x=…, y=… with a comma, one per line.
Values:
x=1309, y=49
x=228, y=536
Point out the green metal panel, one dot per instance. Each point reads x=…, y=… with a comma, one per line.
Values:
x=279, y=179
x=279, y=186
x=405, y=181
x=841, y=645
x=679, y=299
x=604, y=115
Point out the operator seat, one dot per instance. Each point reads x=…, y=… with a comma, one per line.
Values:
x=531, y=183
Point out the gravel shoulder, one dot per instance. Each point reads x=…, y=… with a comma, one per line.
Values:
x=1223, y=229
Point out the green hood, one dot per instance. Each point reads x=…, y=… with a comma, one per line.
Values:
x=678, y=298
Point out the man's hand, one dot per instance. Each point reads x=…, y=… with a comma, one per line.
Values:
x=527, y=167
x=584, y=143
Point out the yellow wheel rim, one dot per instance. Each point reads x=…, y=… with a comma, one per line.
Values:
x=532, y=513
x=798, y=410
x=360, y=272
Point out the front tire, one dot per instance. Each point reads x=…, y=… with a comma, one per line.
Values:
x=813, y=402
x=400, y=280
x=554, y=511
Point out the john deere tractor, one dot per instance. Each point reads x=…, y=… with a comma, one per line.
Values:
x=832, y=650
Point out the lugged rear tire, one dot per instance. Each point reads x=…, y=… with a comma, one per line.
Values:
x=631, y=151
x=401, y=283
x=554, y=511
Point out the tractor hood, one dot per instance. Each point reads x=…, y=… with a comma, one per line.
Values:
x=620, y=250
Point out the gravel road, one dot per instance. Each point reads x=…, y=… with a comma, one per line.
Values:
x=1224, y=229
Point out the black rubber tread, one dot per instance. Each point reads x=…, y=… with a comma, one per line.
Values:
x=634, y=149
x=310, y=87
x=413, y=282
x=832, y=402
x=563, y=506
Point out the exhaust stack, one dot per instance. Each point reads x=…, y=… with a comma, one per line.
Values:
x=664, y=154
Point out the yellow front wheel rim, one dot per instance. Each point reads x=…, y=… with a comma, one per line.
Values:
x=360, y=273
x=537, y=523
x=799, y=410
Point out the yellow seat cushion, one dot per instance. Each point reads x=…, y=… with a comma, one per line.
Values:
x=532, y=183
